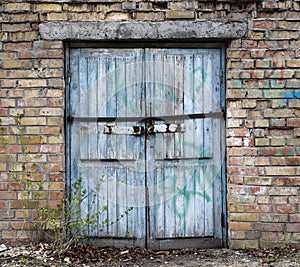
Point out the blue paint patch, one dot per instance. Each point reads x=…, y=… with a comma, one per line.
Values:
x=297, y=94
x=288, y=95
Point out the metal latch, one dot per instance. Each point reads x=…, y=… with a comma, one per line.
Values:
x=125, y=130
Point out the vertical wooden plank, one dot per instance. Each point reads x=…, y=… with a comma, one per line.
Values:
x=160, y=215
x=92, y=91
x=199, y=80
x=178, y=107
x=189, y=96
x=169, y=101
x=74, y=86
x=199, y=200
x=180, y=196
x=83, y=87
x=218, y=126
x=208, y=145
x=121, y=92
x=158, y=78
x=208, y=105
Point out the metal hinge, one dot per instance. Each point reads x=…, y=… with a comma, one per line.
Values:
x=221, y=76
x=69, y=76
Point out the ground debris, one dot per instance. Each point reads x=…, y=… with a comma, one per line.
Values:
x=86, y=256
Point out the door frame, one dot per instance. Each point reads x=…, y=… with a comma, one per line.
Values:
x=194, y=242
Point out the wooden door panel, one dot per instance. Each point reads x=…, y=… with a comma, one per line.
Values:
x=106, y=86
x=182, y=163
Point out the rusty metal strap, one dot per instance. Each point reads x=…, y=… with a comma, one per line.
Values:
x=71, y=118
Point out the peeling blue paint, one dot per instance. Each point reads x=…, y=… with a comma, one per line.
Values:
x=288, y=95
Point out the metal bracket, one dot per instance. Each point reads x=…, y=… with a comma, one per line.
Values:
x=166, y=128
x=123, y=130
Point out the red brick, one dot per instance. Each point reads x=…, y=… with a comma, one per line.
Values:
x=265, y=24
x=258, y=190
x=22, y=225
x=293, y=227
x=17, y=46
x=286, y=209
x=57, y=195
x=271, y=227
x=7, y=214
x=242, y=170
x=3, y=205
x=268, y=236
x=270, y=4
x=56, y=178
x=293, y=161
x=287, y=181
x=293, y=122
x=239, y=226
x=259, y=208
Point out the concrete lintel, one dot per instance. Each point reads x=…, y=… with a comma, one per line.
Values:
x=128, y=30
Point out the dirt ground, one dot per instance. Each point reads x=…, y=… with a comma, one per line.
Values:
x=43, y=255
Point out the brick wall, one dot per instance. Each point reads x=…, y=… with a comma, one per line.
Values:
x=263, y=116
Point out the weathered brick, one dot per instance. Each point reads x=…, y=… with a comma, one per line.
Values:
x=16, y=64
x=94, y=16
x=17, y=7
x=277, y=113
x=265, y=24
x=58, y=17
x=51, y=112
x=47, y=7
x=244, y=217
x=293, y=227
x=239, y=226
x=176, y=14
x=129, y=6
x=275, y=171
x=75, y=7
x=283, y=34
x=33, y=83
x=285, y=191
x=261, y=123
x=16, y=27
x=32, y=140
x=235, y=244
x=33, y=121
x=293, y=63
x=270, y=4
x=155, y=16
x=256, y=34
x=290, y=25
x=145, y=6
x=108, y=7
x=279, y=74
x=117, y=16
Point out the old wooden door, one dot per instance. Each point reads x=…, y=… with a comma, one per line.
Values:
x=146, y=137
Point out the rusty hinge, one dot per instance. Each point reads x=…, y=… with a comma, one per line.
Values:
x=221, y=76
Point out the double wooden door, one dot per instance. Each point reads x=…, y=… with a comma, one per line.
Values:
x=145, y=135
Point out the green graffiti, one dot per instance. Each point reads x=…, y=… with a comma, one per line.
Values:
x=203, y=75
